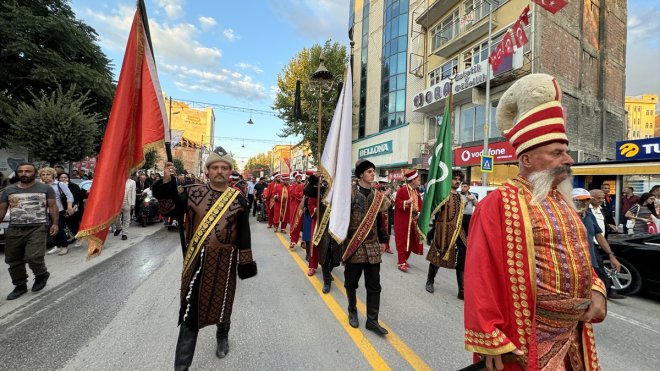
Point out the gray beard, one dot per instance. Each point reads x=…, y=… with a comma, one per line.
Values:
x=542, y=184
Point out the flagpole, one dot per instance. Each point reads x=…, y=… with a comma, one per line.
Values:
x=484, y=175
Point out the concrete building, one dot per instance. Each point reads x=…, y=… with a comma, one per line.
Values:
x=641, y=116
x=657, y=125
x=407, y=51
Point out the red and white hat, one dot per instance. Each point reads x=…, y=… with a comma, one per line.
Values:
x=297, y=174
x=410, y=175
x=277, y=175
x=530, y=113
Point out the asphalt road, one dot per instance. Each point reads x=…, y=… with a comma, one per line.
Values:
x=119, y=312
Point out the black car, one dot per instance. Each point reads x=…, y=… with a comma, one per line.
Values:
x=639, y=256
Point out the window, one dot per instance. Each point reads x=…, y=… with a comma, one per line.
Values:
x=446, y=30
x=434, y=77
x=448, y=68
x=394, y=65
x=472, y=121
x=433, y=128
x=364, y=53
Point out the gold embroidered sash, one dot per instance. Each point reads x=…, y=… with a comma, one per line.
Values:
x=211, y=218
x=365, y=226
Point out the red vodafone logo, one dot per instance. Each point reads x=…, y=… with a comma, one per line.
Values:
x=501, y=152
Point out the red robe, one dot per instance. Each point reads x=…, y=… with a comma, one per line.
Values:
x=281, y=197
x=295, y=211
x=407, y=241
x=268, y=199
x=501, y=281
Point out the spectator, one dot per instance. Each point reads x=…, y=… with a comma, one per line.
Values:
x=128, y=205
x=250, y=193
x=73, y=221
x=641, y=214
x=64, y=201
x=258, y=193
x=607, y=208
x=30, y=203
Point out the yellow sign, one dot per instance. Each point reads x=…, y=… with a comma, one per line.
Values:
x=629, y=150
x=196, y=124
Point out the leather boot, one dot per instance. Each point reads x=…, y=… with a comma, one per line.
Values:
x=430, y=279
x=352, y=308
x=459, y=281
x=327, y=278
x=373, y=306
x=185, y=347
x=222, y=335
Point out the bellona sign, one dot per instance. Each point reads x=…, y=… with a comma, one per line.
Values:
x=376, y=150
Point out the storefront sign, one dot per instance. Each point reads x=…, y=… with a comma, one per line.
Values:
x=376, y=150
x=501, y=152
x=393, y=176
x=467, y=79
x=642, y=149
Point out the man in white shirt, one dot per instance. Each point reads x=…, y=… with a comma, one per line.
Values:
x=127, y=206
x=250, y=192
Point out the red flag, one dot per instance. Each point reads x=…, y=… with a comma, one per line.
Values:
x=495, y=58
x=137, y=123
x=507, y=44
x=553, y=6
x=524, y=16
x=519, y=34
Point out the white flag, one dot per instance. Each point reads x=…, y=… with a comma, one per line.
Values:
x=336, y=162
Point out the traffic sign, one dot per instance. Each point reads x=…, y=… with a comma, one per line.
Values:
x=487, y=164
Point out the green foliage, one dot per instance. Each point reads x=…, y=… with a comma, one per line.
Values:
x=259, y=162
x=302, y=66
x=178, y=164
x=56, y=127
x=43, y=47
x=150, y=159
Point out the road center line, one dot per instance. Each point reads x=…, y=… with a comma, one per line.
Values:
x=632, y=321
x=364, y=345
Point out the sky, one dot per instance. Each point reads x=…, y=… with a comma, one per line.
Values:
x=230, y=52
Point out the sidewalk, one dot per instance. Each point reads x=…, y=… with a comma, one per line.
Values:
x=63, y=268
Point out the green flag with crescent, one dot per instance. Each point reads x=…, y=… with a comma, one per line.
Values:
x=439, y=181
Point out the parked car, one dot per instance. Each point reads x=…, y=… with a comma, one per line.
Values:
x=639, y=256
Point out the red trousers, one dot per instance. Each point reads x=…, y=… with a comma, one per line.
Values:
x=271, y=217
x=313, y=256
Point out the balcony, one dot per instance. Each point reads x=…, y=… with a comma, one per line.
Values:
x=432, y=10
x=460, y=34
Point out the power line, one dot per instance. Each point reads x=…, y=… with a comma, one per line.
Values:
x=225, y=107
x=256, y=140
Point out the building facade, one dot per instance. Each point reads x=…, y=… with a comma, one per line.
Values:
x=400, y=96
x=641, y=116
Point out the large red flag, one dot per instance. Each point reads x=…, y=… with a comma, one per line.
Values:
x=137, y=123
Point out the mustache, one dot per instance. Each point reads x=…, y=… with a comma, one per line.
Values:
x=561, y=170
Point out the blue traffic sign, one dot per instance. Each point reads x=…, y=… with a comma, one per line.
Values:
x=487, y=164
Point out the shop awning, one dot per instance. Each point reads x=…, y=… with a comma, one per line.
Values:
x=617, y=168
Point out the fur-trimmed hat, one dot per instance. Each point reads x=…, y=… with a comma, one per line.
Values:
x=411, y=175
x=219, y=154
x=530, y=113
x=362, y=165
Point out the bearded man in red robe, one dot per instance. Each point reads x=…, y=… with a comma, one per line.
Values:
x=531, y=295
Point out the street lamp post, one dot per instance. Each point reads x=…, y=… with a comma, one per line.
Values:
x=484, y=175
x=323, y=79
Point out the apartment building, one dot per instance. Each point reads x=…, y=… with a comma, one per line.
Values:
x=641, y=116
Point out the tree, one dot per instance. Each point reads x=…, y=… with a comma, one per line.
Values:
x=178, y=164
x=258, y=163
x=301, y=67
x=150, y=159
x=56, y=127
x=43, y=47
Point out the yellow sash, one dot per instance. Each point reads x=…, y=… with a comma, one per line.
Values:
x=209, y=221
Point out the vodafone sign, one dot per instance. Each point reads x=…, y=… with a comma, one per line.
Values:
x=501, y=152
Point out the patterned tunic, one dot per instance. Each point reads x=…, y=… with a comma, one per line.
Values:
x=447, y=228
x=369, y=250
x=208, y=287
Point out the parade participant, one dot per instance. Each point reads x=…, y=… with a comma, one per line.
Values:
x=309, y=212
x=384, y=186
x=407, y=206
x=366, y=243
x=530, y=291
x=29, y=204
x=281, y=217
x=64, y=201
x=295, y=208
x=447, y=248
x=258, y=194
x=218, y=235
x=128, y=205
x=275, y=182
x=315, y=212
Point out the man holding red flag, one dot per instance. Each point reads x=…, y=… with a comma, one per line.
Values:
x=407, y=205
x=137, y=123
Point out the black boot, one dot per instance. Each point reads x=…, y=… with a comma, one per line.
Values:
x=40, y=281
x=18, y=291
x=185, y=347
x=327, y=278
x=459, y=281
x=352, y=308
x=373, y=306
x=222, y=335
x=430, y=279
